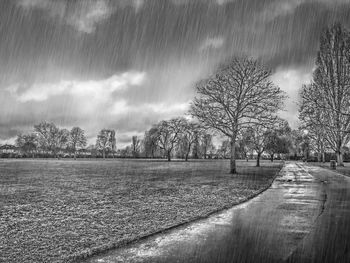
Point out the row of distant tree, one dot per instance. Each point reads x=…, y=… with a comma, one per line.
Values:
x=48, y=139
x=177, y=137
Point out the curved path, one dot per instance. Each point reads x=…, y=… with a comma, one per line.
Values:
x=303, y=217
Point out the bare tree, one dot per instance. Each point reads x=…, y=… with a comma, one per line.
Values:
x=44, y=132
x=168, y=135
x=256, y=136
x=28, y=143
x=196, y=149
x=237, y=96
x=61, y=140
x=135, y=146
x=77, y=139
x=112, y=141
x=206, y=144
x=51, y=138
x=224, y=149
x=48, y=135
x=325, y=104
x=277, y=139
x=243, y=148
x=151, y=142
x=190, y=133
x=105, y=141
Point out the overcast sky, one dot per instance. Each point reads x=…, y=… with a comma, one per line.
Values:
x=126, y=64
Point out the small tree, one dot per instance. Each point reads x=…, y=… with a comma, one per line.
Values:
x=28, y=143
x=169, y=134
x=112, y=141
x=49, y=137
x=225, y=149
x=62, y=139
x=196, y=149
x=277, y=138
x=256, y=136
x=206, y=144
x=150, y=142
x=243, y=148
x=190, y=133
x=105, y=141
x=135, y=146
x=77, y=140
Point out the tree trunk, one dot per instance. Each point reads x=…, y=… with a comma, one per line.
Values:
x=103, y=154
x=323, y=157
x=233, y=169
x=272, y=155
x=188, y=153
x=75, y=155
x=258, y=160
x=319, y=157
x=169, y=156
x=340, y=158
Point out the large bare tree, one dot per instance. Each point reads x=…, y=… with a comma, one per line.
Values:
x=325, y=103
x=238, y=95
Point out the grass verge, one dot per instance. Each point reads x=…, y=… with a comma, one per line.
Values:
x=345, y=170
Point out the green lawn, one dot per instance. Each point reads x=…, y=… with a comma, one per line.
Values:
x=59, y=210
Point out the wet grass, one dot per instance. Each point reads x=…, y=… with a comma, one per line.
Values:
x=345, y=170
x=58, y=211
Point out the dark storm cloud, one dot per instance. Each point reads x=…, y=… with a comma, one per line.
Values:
x=127, y=64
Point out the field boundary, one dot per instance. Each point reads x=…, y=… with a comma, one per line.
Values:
x=105, y=248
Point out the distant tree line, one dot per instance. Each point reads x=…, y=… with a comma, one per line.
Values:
x=175, y=138
x=48, y=140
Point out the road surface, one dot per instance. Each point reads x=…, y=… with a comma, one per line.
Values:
x=303, y=217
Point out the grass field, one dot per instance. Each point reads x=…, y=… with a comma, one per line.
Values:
x=345, y=170
x=59, y=210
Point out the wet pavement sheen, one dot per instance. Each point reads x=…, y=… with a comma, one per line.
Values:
x=303, y=217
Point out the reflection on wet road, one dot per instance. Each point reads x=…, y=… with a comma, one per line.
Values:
x=303, y=217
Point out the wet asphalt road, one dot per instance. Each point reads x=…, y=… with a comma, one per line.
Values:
x=303, y=217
